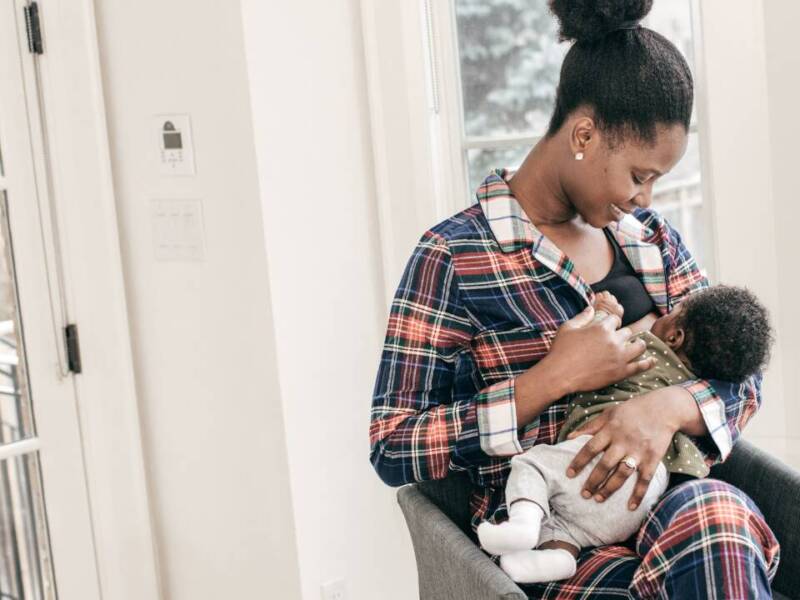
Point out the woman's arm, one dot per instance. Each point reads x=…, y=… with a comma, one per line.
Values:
x=726, y=408
x=418, y=429
x=536, y=389
x=684, y=411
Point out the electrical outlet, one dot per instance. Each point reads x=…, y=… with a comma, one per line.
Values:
x=334, y=590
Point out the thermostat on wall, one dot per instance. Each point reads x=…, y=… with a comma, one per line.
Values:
x=176, y=156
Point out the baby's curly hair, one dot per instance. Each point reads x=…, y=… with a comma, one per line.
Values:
x=728, y=334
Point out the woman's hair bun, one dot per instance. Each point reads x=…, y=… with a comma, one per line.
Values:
x=590, y=20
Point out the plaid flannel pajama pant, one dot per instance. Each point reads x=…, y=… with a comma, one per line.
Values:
x=703, y=539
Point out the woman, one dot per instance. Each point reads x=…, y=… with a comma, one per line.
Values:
x=491, y=327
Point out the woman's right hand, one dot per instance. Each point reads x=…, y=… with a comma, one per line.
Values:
x=595, y=354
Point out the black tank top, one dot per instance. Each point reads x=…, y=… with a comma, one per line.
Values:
x=625, y=285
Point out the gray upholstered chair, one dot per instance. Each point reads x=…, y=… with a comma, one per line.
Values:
x=450, y=565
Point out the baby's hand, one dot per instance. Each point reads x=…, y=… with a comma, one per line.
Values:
x=606, y=302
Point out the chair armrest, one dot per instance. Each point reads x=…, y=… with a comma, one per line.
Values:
x=449, y=564
x=775, y=488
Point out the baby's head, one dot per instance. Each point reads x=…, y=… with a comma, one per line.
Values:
x=721, y=332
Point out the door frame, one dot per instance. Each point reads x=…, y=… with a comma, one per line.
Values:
x=82, y=186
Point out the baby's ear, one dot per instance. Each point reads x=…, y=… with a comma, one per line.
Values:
x=675, y=338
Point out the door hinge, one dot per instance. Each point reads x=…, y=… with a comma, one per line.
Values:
x=34, y=28
x=73, y=348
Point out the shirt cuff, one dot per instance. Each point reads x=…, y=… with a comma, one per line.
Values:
x=712, y=407
x=497, y=419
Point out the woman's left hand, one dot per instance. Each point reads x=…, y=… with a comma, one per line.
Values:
x=641, y=427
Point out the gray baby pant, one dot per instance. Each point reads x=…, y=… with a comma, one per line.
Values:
x=540, y=474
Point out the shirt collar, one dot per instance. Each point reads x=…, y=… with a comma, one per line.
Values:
x=513, y=229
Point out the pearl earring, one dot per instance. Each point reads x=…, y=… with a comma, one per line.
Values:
x=579, y=156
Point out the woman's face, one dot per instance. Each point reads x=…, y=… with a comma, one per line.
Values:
x=608, y=182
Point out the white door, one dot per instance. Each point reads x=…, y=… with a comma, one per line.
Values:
x=46, y=547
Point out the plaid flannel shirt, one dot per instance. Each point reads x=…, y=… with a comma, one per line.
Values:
x=479, y=303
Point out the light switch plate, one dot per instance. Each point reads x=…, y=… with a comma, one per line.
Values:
x=334, y=590
x=178, y=230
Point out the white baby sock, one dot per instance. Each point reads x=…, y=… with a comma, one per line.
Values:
x=533, y=566
x=520, y=532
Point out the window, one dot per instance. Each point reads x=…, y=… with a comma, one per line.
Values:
x=508, y=62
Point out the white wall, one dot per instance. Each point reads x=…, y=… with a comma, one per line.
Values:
x=783, y=82
x=203, y=332
x=225, y=407
x=311, y=125
x=739, y=170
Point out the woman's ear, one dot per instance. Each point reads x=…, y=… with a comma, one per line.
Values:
x=583, y=135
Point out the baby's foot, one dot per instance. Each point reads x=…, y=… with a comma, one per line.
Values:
x=520, y=532
x=533, y=566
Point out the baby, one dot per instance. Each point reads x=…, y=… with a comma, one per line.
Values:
x=721, y=332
